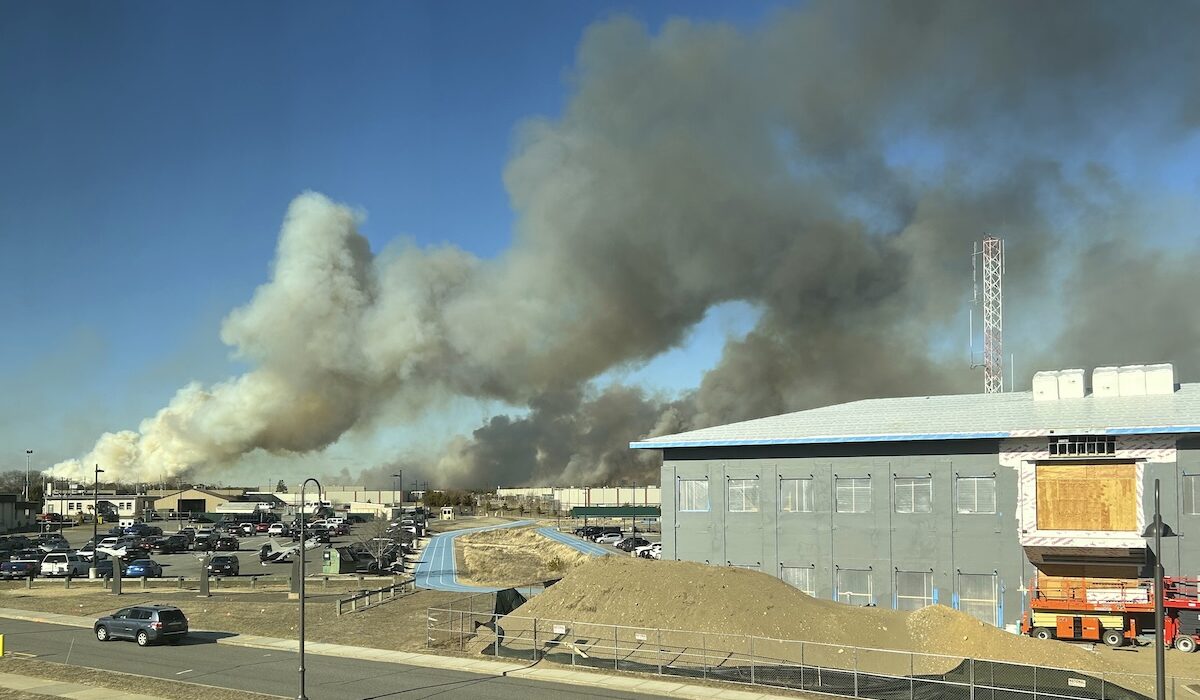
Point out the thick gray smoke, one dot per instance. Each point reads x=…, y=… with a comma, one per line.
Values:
x=831, y=168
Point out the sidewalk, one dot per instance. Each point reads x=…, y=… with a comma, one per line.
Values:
x=594, y=679
x=45, y=686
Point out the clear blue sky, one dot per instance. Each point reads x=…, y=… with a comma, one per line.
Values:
x=150, y=149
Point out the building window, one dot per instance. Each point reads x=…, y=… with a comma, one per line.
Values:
x=976, y=494
x=914, y=495
x=693, y=495
x=1191, y=494
x=796, y=495
x=798, y=576
x=853, y=495
x=70, y=506
x=977, y=596
x=854, y=586
x=1083, y=446
x=914, y=589
x=743, y=495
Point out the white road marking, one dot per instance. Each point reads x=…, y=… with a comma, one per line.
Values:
x=183, y=672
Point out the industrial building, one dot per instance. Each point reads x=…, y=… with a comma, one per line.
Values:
x=563, y=499
x=16, y=515
x=960, y=500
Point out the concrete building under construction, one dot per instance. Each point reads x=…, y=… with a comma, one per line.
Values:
x=960, y=500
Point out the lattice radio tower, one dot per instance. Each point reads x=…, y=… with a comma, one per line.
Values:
x=992, y=299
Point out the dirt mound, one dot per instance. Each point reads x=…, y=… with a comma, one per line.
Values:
x=512, y=557
x=725, y=600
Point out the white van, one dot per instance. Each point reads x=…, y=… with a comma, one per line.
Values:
x=64, y=564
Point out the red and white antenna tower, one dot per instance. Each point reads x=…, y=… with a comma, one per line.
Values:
x=992, y=301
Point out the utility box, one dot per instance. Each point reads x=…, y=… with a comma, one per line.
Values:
x=448, y=513
x=331, y=563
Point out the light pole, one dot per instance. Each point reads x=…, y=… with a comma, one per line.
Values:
x=302, y=696
x=399, y=476
x=1158, y=530
x=96, y=518
x=28, y=454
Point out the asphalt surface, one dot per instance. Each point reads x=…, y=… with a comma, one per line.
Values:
x=200, y=660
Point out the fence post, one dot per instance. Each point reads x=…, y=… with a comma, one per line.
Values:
x=338, y=603
x=1035, y=682
x=912, y=672
x=462, y=628
x=855, y=671
x=616, y=664
x=704, y=654
x=802, y=665
x=496, y=632
x=972, y=677
x=658, y=652
x=67, y=582
x=752, y=661
x=535, y=658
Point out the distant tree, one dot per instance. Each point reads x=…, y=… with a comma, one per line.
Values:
x=281, y=487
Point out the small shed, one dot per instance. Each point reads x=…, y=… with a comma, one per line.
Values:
x=448, y=513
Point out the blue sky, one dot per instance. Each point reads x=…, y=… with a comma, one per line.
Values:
x=151, y=149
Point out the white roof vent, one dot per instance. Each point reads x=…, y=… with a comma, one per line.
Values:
x=1160, y=379
x=1131, y=380
x=1105, y=382
x=1045, y=386
x=1070, y=384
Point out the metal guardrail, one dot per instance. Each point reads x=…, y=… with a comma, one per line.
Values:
x=849, y=671
x=381, y=595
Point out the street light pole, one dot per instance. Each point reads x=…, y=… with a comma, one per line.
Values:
x=302, y=696
x=96, y=518
x=1158, y=529
x=28, y=454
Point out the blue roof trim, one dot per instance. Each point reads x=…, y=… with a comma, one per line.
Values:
x=820, y=440
x=1146, y=430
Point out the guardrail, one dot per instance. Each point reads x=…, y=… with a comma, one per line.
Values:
x=380, y=596
x=831, y=669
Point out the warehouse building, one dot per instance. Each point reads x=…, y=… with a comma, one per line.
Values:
x=564, y=498
x=960, y=500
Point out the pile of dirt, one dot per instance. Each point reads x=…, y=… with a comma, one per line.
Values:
x=725, y=600
x=512, y=557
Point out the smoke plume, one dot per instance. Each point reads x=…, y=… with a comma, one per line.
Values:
x=831, y=168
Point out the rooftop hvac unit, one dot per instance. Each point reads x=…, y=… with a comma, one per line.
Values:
x=1105, y=382
x=1045, y=386
x=1160, y=379
x=1070, y=384
x=1131, y=380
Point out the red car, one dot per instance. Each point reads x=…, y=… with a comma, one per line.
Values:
x=262, y=527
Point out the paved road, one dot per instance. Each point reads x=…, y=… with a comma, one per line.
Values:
x=201, y=660
x=437, y=568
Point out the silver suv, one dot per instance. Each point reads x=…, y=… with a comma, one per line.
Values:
x=144, y=624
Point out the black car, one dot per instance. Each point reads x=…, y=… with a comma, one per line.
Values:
x=104, y=568
x=205, y=543
x=169, y=545
x=631, y=543
x=224, y=565
x=144, y=624
x=226, y=544
x=11, y=570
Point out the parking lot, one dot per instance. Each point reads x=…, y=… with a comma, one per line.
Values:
x=187, y=564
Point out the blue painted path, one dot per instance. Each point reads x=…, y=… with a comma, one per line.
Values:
x=437, y=568
x=571, y=541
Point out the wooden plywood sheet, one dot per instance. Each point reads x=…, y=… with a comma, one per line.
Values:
x=1098, y=497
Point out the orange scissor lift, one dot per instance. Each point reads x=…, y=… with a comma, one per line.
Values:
x=1112, y=611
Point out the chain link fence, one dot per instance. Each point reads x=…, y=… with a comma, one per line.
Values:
x=471, y=625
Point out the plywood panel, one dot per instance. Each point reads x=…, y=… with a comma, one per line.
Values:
x=1101, y=497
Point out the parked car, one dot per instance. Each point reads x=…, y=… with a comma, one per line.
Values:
x=189, y=533
x=104, y=568
x=169, y=545
x=262, y=527
x=277, y=530
x=227, y=544
x=609, y=538
x=144, y=624
x=48, y=543
x=646, y=551
x=630, y=543
x=10, y=570
x=64, y=564
x=224, y=565
x=600, y=531
x=143, y=530
x=144, y=568
x=205, y=542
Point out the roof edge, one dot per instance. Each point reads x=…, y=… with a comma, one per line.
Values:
x=912, y=437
